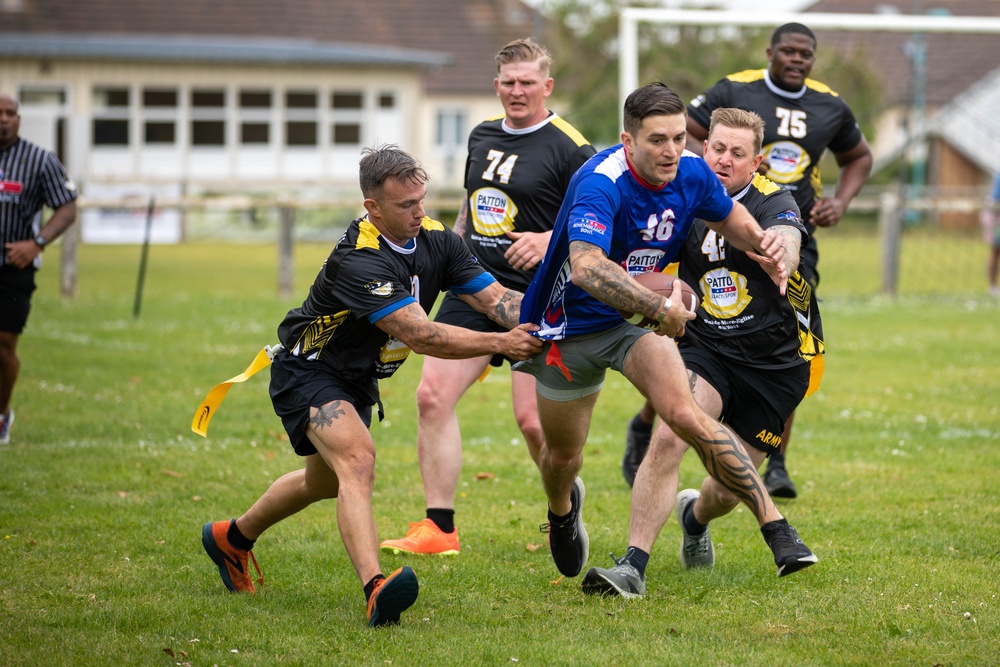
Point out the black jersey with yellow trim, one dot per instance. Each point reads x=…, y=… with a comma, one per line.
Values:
x=798, y=127
x=365, y=278
x=515, y=180
x=742, y=315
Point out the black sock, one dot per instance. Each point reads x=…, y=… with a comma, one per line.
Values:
x=442, y=518
x=559, y=520
x=777, y=460
x=639, y=560
x=370, y=586
x=692, y=526
x=640, y=424
x=238, y=539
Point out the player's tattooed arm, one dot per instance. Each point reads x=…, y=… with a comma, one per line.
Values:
x=462, y=219
x=791, y=238
x=500, y=304
x=608, y=282
x=410, y=325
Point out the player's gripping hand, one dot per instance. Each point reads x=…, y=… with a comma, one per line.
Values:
x=527, y=250
x=519, y=343
x=675, y=321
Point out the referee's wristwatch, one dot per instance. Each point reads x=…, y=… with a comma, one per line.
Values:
x=40, y=241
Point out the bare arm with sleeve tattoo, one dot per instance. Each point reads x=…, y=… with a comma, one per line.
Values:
x=411, y=325
x=608, y=282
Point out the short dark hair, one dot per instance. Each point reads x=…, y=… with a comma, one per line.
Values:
x=381, y=163
x=524, y=51
x=792, y=29
x=654, y=99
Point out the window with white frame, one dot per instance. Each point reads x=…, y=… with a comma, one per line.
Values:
x=255, y=117
x=347, y=117
x=159, y=116
x=301, y=118
x=208, y=117
x=111, y=108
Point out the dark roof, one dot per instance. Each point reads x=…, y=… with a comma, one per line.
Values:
x=210, y=48
x=955, y=62
x=469, y=31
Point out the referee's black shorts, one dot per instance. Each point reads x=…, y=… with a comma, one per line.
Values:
x=16, y=288
x=756, y=402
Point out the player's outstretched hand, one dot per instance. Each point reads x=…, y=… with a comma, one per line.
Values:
x=527, y=250
x=519, y=343
x=771, y=256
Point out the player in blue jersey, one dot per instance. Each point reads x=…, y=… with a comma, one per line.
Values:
x=752, y=355
x=628, y=210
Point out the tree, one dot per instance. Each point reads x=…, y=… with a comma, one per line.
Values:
x=583, y=37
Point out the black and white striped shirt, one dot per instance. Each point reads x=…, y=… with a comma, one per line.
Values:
x=30, y=176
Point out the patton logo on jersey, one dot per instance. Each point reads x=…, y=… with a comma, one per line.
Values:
x=788, y=162
x=380, y=287
x=725, y=293
x=493, y=212
x=642, y=261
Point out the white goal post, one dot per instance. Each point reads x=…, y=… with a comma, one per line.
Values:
x=631, y=17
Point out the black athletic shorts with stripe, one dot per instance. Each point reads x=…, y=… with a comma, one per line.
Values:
x=756, y=402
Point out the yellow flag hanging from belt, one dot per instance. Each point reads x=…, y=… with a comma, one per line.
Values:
x=203, y=415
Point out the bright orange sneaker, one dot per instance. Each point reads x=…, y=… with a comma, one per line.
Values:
x=424, y=537
x=391, y=597
x=232, y=562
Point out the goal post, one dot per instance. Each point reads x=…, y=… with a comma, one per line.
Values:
x=631, y=17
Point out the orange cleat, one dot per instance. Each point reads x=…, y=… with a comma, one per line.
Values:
x=232, y=562
x=424, y=537
x=391, y=597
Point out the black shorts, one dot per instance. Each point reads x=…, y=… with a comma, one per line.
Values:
x=16, y=288
x=299, y=384
x=458, y=313
x=756, y=402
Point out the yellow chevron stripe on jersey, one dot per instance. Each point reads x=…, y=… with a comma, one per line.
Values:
x=816, y=182
x=367, y=235
x=431, y=225
x=751, y=75
x=764, y=185
x=203, y=415
x=318, y=333
x=570, y=131
x=819, y=87
x=747, y=76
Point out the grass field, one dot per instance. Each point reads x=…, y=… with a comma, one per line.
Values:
x=104, y=490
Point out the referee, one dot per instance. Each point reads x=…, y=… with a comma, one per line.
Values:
x=30, y=176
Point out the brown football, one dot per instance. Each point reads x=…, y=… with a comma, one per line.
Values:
x=663, y=283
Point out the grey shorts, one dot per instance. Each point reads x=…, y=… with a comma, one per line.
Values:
x=574, y=367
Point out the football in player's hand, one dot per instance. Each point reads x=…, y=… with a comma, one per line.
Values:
x=663, y=284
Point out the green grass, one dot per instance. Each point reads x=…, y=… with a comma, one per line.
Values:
x=104, y=490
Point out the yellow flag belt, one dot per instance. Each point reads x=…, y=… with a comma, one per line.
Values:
x=203, y=415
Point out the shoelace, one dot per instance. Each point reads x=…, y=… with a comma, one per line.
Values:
x=260, y=575
x=696, y=545
x=788, y=538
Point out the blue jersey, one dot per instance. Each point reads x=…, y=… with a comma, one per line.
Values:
x=638, y=226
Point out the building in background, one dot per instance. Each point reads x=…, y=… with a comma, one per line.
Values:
x=940, y=95
x=266, y=97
